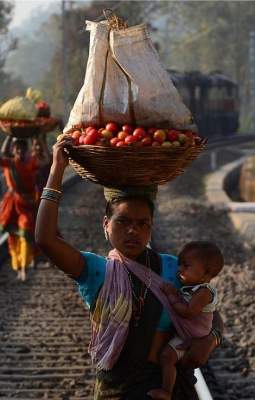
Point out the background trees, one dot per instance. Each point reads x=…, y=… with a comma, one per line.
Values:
x=189, y=35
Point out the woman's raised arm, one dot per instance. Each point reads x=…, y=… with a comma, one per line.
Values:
x=62, y=254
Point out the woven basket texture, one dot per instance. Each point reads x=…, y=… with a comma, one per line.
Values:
x=26, y=129
x=135, y=166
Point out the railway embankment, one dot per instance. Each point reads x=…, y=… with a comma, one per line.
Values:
x=44, y=330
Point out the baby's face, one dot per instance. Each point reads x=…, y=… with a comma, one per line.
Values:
x=192, y=269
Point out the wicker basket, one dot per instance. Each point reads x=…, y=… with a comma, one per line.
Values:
x=135, y=166
x=131, y=166
x=26, y=129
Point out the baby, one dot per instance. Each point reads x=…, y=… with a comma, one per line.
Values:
x=194, y=303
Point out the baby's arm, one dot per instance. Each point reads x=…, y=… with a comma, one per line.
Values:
x=199, y=300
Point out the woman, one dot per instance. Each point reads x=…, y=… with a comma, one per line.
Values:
x=17, y=209
x=125, y=348
x=40, y=152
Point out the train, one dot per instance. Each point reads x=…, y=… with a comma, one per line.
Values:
x=212, y=98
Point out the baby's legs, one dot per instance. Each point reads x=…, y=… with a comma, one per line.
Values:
x=168, y=359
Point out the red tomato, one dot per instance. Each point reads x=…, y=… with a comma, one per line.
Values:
x=91, y=137
x=139, y=133
x=112, y=127
x=172, y=135
x=130, y=139
x=114, y=141
x=89, y=128
x=81, y=138
x=128, y=129
x=146, y=141
x=120, y=143
x=122, y=135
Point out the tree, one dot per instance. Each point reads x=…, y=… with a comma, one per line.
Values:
x=8, y=86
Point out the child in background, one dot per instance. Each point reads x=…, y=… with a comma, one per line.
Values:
x=199, y=262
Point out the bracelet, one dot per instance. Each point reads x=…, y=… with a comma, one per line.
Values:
x=51, y=194
x=47, y=198
x=54, y=190
x=218, y=337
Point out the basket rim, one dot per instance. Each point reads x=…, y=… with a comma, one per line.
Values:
x=136, y=149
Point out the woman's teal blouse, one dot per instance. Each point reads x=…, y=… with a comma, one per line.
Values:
x=93, y=274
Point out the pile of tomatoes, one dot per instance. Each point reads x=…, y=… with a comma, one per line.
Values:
x=114, y=135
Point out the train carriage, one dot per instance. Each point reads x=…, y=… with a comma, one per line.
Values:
x=212, y=98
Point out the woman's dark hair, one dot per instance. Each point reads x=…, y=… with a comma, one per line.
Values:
x=209, y=253
x=20, y=143
x=110, y=205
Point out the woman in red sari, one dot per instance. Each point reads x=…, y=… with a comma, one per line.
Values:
x=18, y=208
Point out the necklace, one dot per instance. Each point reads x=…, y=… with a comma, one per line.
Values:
x=138, y=305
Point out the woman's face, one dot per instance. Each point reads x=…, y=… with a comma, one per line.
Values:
x=36, y=148
x=129, y=228
x=19, y=151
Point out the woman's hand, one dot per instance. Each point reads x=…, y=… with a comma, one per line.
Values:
x=197, y=351
x=60, y=155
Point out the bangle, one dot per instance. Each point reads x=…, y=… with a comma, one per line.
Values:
x=218, y=337
x=51, y=194
x=54, y=190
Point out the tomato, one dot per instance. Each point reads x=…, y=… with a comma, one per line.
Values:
x=128, y=129
x=139, y=133
x=100, y=130
x=89, y=128
x=182, y=138
x=121, y=143
x=91, y=137
x=76, y=136
x=114, y=141
x=112, y=127
x=122, y=135
x=159, y=136
x=130, y=139
x=166, y=144
x=106, y=134
x=172, y=135
x=146, y=141
x=81, y=138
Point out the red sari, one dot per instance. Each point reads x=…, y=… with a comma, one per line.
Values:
x=17, y=208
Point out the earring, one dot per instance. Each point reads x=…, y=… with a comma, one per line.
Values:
x=106, y=235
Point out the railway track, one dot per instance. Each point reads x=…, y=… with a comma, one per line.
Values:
x=44, y=328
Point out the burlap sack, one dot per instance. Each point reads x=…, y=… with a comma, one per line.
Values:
x=126, y=83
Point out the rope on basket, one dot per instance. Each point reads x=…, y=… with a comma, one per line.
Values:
x=115, y=22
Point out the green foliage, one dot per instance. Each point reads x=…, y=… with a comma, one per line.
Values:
x=190, y=35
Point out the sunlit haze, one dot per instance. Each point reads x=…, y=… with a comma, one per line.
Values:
x=24, y=8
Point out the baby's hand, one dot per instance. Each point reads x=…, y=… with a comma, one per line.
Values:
x=169, y=289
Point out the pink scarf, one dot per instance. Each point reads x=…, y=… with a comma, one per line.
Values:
x=113, y=310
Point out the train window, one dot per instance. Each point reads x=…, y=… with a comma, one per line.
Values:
x=197, y=93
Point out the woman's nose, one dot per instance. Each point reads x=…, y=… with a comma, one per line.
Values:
x=132, y=227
